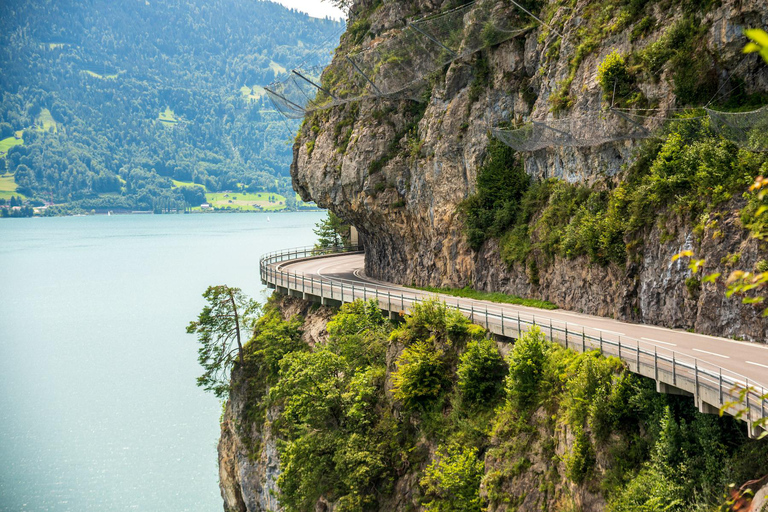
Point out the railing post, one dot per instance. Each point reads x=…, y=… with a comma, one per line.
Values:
x=721, y=386
x=472, y=313
x=342, y=292
x=619, y=345
x=566, y=335
x=696, y=381
x=534, y=320
x=353, y=293
x=364, y=295
x=502, y=321
x=637, y=348
x=486, y=317
x=674, y=370
x=519, y=327
x=656, y=364
x=389, y=301
x=746, y=383
x=402, y=303
x=551, y=332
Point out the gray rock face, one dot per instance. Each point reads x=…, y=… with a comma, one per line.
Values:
x=406, y=210
x=248, y=484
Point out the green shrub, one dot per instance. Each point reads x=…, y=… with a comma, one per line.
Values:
x=501, y=184
x=420, y=376
x=451, y=482
x=581, y=461
x=526, y=367
x=358, y=332
x=481, y=372
x=614, y=78
x=649, y=491
x=273, y=339
x=693, y=285
x=433, y=319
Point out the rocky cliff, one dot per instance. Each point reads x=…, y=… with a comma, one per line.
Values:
x=398, y=169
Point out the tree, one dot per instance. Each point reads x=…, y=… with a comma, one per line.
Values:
x=331, y=232
x=218, y=327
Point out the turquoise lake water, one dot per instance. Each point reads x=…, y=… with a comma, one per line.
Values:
x=98, y=405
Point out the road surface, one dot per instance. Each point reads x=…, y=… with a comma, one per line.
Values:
x=744, y=358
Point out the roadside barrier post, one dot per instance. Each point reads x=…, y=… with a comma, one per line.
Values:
x=674, y=370
x=502, y=322
x=721, y=386
x=566, y=335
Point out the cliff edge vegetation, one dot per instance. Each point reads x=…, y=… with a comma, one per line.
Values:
x=342, y=410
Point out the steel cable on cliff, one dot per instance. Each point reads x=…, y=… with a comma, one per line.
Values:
x=393, y=66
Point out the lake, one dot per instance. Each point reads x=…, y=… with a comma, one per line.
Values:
x=99, y=410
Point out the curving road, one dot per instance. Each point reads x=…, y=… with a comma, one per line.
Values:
x=749, y=360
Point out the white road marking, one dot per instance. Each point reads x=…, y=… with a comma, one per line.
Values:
x=658, y=341
x=757, y=364
x=711, y=353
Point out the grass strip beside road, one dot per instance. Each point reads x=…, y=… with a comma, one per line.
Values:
x=469, y=293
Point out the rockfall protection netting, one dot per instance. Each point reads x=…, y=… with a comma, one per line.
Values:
x=401, y=59
x=748, y=130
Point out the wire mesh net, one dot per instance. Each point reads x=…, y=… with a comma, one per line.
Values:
x=587, y=130
x=748, y=130
x=402, y=60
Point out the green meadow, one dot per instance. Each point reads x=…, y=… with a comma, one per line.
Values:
x=8, y=186
x=8, y=143
x=252, y=93
x=177, y=183
x=244, y=201
x=45, y=121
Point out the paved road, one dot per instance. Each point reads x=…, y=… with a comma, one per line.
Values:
x=747, y=359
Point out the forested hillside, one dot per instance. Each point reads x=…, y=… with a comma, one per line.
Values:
x=105, y=104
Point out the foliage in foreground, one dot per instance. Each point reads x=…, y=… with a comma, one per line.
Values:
x=460, y=418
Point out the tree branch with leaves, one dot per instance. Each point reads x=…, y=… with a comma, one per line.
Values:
x=219, y=328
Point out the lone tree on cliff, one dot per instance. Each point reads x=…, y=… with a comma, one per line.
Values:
x=219, y=326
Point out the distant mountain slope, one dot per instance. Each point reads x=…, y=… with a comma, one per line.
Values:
x=113, y=100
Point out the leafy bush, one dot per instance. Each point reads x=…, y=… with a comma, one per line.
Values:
x=614, y=78
x=481, y=372
x=273, y=339
x=451, y=482
x=434, y=320
x=420, y=376
x=501, y=183
x=358, y=333
x=526, y=368
x=581, y=461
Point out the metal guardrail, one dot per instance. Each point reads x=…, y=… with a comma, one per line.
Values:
x=712, y=386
